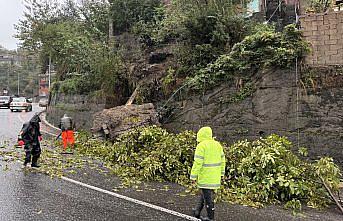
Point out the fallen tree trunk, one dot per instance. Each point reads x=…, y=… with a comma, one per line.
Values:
x=110, y=123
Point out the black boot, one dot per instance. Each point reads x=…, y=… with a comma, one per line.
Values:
x=27, y=158
x=25, y=163
x=197, y=210
x=35, y=162
x=210, y=213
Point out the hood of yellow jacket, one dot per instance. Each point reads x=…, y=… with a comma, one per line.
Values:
x=205, y=133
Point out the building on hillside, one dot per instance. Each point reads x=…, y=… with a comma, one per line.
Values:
x=9, y=59
x=283, y=12
x=44, y=83
x=4, y=59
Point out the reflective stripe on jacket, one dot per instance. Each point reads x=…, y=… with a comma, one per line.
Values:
x=209, y=161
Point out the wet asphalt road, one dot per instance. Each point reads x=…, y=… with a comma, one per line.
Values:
x=28, y=195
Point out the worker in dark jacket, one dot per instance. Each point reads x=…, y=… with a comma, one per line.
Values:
x=31, y=137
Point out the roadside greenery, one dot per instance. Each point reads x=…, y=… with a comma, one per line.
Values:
x=266, y=171
x=258, y=173
x=211, y=42
x=73, y=36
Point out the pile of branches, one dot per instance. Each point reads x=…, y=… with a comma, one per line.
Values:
x=258, y=173
x=266, y=171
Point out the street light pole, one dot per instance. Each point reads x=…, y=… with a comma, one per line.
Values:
x=18, y=84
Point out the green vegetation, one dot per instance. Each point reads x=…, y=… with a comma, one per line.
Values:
x=212, y=41
x=266, y=171
x=241, y=95
x=126, y=14
x=146, y=154
x=200, y=30
x=264, y=49
x=258, y=173
x=75, y=38
x=319, y=6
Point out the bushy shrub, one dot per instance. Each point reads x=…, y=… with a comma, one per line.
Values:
x=266, y=48
x=126, y=13
x=76, y=85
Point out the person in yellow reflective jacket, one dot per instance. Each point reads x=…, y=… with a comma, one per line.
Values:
x=207, y=170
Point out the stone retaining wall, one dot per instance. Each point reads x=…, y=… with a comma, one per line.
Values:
x=80, y=107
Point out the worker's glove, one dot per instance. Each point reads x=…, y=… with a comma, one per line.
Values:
x=40, y=138
x=21, y=143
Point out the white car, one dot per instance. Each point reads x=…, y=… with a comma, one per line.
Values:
x=20, y=104
x=43, y=102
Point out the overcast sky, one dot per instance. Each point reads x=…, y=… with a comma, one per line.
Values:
x=10, y=13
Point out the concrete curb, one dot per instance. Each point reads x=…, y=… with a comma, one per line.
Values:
x=43, y=118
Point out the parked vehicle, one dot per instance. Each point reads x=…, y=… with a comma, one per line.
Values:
x=5, y=101
x=43, y=102
x=20, y=104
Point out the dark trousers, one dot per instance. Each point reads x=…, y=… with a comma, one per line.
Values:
x=206, y=198
x=32, y=151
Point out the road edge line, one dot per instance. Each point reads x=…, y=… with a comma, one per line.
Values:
x=47, y=123
x=48, y=133
x=142, y=203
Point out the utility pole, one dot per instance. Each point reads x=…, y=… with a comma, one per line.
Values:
x=8, y=76
x=49, y=72
x=18, y=84
x=110, y=28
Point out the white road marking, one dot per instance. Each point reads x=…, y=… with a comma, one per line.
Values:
x=47, y=123
x=181, y=215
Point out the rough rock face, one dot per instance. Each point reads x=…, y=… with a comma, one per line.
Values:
x=316, y=123
x=120, y=119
